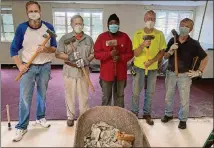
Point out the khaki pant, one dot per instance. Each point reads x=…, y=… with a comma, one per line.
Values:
x=73, y=86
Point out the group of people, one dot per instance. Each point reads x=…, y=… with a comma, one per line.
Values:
x=114, y=49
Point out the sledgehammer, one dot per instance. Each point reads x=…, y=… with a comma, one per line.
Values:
x=175, y=34
x=71, y=41
x=8, y=117
x=147, y=37
x=47, y=37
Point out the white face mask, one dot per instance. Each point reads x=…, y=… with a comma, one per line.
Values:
x=150, y=24
x=34, y=15
x=78, y=28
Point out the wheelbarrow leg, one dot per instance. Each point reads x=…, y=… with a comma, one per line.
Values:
x=210, y=140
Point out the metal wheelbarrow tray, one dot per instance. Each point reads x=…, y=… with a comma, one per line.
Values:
x=118, y=117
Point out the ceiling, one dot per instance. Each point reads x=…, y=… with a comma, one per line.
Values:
x=139, y=2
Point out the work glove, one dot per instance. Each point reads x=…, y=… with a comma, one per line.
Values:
x=193, y=74
x=74, y=56
x=173, y=48
x=80, y=63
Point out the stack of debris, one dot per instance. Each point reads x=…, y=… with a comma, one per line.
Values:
x=104, y=135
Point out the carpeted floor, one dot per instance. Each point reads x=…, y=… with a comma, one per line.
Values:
x=201, y=99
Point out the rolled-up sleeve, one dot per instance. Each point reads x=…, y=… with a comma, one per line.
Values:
x=61, y=46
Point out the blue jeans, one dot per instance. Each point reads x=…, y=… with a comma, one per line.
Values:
x=183, y=82
x=138, y=85
x=39, y=74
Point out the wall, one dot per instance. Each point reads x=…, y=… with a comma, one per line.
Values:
x=206, y=37
x=131, y=17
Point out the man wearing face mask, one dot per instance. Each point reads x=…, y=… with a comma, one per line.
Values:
x=76, y=49
x=156, y=52
x=28, y=36
x=187, y=48
x=114, y=49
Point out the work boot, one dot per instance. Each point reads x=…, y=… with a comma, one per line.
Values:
x=148, y=119
x=70, y=122
x=182, y=125
x=166, y=119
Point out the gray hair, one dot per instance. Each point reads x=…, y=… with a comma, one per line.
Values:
x=76, y=16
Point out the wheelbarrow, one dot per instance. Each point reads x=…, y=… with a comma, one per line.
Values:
x=118, y=117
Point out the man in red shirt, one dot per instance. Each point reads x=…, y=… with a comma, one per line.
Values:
x=114, y=49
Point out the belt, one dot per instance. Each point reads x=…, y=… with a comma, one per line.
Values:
x=71, y=64
x=178, y=71
x=38, y=64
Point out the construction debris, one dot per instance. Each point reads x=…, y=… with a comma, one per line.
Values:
x=104, y=135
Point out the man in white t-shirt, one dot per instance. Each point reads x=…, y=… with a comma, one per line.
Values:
x=28, y=37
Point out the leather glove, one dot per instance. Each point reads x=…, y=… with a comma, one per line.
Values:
x=74, y=56
x=80, y=63
x=193, y=74
x=173, y=48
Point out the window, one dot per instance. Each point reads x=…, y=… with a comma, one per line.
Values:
x=166, y=20
x=93, y=21
x=7, y=27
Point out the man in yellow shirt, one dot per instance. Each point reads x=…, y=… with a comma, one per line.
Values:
x=149, y=61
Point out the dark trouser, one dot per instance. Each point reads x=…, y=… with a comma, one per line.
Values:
x=118, y=92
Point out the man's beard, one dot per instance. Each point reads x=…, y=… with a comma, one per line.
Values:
x=35, y=23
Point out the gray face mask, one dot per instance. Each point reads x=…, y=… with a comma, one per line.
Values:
x=184, y=31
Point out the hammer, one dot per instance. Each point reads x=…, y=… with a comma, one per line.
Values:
x=113, y=43
x=176, y=56
x=8, y=117
x=147, y=37
x=83, y=68
x=47, y=37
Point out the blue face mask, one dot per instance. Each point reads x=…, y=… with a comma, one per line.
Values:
x=113, y=28
x=184, y=31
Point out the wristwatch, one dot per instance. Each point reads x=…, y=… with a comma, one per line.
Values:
x=200, y=72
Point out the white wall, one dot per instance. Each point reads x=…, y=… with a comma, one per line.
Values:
x=206, y=37
x=131, y=18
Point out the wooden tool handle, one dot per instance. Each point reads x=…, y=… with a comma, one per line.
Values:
x=147, y=58
x=195, y=59
x=115, y=64
x=8, y=113
x=88, y=79
x=126, y=137
x=176, y=59
x=176, y=63
x=32, y=58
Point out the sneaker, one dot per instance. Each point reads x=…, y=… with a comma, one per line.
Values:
x=43, y=123
x=70, y=122
x=148, y=119
x=182, y=125
x=166, y=119
x=19, y=134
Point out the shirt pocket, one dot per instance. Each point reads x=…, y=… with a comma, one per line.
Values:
x=87, y=49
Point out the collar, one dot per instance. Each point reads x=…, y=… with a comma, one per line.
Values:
x=78, y=37
x=35, y=28
x=188, y=39
x=114, y=36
